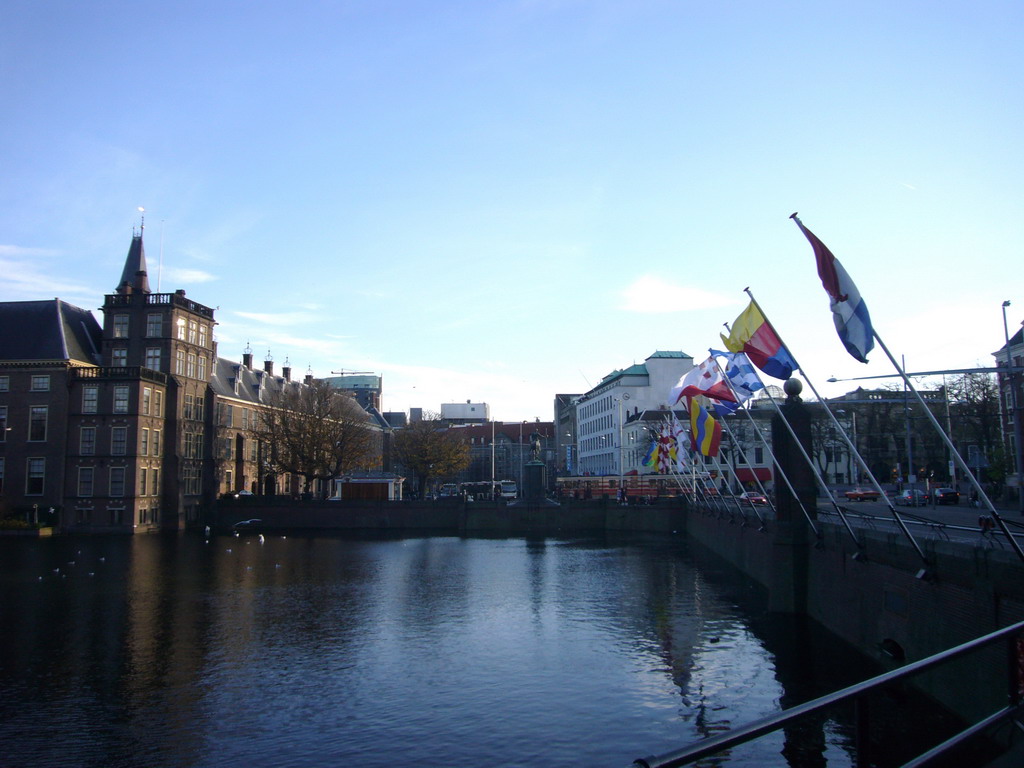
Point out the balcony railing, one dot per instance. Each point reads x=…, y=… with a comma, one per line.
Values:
x=120, y=372
x=152, y=299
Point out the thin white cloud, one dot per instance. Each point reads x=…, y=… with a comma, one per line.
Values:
x=650, y=294
x=24, y=277
x=184, y=276
x=18, y=250
x=277, y=319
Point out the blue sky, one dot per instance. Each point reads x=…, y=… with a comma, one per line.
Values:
x=501, y=201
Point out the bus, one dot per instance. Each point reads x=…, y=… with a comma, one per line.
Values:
x=508, y=489
x=448, y=490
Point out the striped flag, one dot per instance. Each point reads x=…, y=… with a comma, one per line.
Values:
x=849, y=312
x=705, y=432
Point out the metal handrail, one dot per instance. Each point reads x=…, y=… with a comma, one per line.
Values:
x=924, y=521
x=773, y=723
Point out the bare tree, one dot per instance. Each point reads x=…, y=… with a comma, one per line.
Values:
x=974, y=405
x=316, y=432
x=428, y=449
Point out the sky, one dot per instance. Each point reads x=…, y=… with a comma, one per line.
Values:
x=503, y=201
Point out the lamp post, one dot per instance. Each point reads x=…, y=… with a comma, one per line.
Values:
x=1015, y=402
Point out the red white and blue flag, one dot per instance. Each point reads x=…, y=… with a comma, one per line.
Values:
x=849, y=312
x=704, y=379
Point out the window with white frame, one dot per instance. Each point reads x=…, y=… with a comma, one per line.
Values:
x=155, y=485
x=120, y=399
x=37, y=423
x=158, y=403
x=90, y=398
x=154, y=325
x=35, y=476
x=180, y=323
x=5, y=383
x=3, y=423
x=87, y=441
x=156, y=442
x=120, y=326
x=85, y=481
x=119, y=357
x=40, y=384
x=201, y=367
x=147, y=400
x=153, y=358
x=190, y=369
x=179, y=362
x=193, y=328
x=117, y=481
x=203, y=341
x=144, y=442
x=142, y=482
x=118, y=441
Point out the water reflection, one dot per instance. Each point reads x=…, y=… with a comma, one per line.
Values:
x=300, y=651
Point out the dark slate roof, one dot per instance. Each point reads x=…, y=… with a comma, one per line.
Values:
x=135, y=264
x=231, y=379
x=49, y=330
x=234, y=380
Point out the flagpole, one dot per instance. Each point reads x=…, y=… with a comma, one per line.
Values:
x=953, y=451
x=860, y=459
x=768, y=447
x=753, y=425
x=723, y=468
x=711, y=492
x=743, y=455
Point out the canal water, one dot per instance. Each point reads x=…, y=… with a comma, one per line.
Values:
x=300, y=651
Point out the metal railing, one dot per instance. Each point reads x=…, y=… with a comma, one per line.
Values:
x=120, y=372
x=1013, y=635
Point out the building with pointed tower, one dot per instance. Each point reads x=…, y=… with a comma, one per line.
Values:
x=135, y=425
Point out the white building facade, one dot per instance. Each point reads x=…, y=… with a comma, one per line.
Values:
x=605, y=444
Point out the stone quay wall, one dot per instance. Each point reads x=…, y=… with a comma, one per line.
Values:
x=881, y=602
x=450, y=516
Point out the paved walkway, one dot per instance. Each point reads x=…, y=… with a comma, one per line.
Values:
x=960, y=522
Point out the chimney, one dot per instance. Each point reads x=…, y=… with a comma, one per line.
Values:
x=286, y=371
x=247, y=360
x=309, y=379
x=268, y=364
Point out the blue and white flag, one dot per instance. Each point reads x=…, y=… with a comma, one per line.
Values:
x=742, y=377
x=849, y=312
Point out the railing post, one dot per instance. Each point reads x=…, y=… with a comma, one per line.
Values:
x=862, y=731
x=1015, y=669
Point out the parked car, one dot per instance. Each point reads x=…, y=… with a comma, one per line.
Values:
x=862, y=494
x=752, y=497
x=913, y=498
x=947, y=496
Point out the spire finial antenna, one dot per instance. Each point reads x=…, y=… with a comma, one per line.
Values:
x=142, y=218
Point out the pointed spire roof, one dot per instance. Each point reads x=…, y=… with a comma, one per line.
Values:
x=134, y=277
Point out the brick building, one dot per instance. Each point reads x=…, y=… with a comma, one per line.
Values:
x=134, y=425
